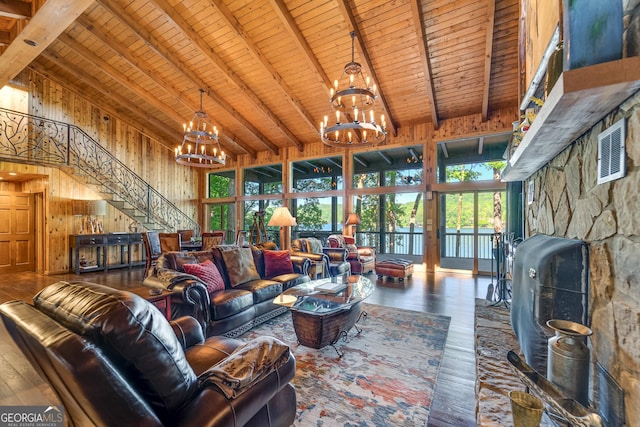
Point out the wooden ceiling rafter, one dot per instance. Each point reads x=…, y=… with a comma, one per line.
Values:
x=296, y=35
x=488, y=55
x=167, y=57
x=232, y=22
x=133, y=62
x=346, y=11
x=456, y=61
x=423, y=46
x=181, y=25
x=93, y=82
x=136, y=89
x=17, y=56
x=121, y=111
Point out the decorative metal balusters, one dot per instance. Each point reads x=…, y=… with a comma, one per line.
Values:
x=30, y=139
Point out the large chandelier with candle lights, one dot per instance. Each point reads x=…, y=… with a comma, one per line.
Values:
x=352, y=99
x=200, y=146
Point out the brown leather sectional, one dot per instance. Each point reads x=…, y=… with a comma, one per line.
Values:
x=231, y=311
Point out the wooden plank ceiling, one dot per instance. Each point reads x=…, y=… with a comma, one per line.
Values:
x=266, y=65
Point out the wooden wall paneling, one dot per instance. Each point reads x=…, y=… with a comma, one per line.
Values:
x=472, y=125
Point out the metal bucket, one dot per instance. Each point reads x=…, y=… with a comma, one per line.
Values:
x=568, y=359
x=526, y=409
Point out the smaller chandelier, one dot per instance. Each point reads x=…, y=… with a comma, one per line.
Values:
x=353, y=101
x=200, y=146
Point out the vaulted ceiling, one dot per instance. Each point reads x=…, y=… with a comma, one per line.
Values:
x=266, y=65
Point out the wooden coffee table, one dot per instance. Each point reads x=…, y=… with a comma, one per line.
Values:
x=321, y=318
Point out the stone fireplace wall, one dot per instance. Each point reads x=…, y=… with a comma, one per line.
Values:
x=568, y=202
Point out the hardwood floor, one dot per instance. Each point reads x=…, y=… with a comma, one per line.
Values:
x=447, y=294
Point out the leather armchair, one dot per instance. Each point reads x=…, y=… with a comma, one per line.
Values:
x=335, y=259
x=361, y=258
x=114, y=360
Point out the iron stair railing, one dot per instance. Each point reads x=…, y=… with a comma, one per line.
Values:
x=25, y=138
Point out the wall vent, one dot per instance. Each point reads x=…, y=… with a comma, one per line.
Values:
x=611, y=153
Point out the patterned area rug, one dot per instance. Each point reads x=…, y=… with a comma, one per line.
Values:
x=386, y=377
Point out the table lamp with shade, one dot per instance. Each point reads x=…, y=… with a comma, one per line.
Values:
x=352, y=220
x=282, y=218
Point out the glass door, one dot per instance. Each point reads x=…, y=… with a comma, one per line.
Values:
x=457, y=231
x=468, y=224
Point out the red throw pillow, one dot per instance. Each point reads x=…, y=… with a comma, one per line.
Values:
x=277, y=263
x=208, y=273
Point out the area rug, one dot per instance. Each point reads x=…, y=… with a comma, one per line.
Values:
x=386, y=376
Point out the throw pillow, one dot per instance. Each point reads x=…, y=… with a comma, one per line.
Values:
x=240, y=266
x=277, y=263
x=208, y=273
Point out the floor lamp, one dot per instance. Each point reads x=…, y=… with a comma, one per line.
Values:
x=282, y=218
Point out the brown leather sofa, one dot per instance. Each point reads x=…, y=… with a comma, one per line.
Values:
x=335, y=259
x=234, y=309
x=361, y=258
x=114, y=360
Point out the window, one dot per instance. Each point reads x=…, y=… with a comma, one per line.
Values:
x=222, y=215
x=472, y=159
x=263, y=180
x=318, y=202
x=317, y=175
x=222, y=184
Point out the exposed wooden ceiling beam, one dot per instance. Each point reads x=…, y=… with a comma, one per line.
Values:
x=46, y=25
x=296, y=35
x=353, y=26
x=125, y=115
x=181, y=25
x=118, y=76
x=155, y=46
x=488, y=54
x=418, y=23
x=114, y=74
x=259, y=56
x=94, y=83
x=15, y=9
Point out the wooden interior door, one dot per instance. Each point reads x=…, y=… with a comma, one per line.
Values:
x=17, y=235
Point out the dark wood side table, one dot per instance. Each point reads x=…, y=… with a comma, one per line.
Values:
x=162, y=301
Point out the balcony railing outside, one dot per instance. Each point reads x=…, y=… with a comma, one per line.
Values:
x=30, y=139
x=406, y=243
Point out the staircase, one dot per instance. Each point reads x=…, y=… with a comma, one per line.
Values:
x=35, y=140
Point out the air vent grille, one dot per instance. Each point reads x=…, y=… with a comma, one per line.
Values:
x=611, y=153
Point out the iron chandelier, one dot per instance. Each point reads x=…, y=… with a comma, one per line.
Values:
x=353, y=100
x=200, y=145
